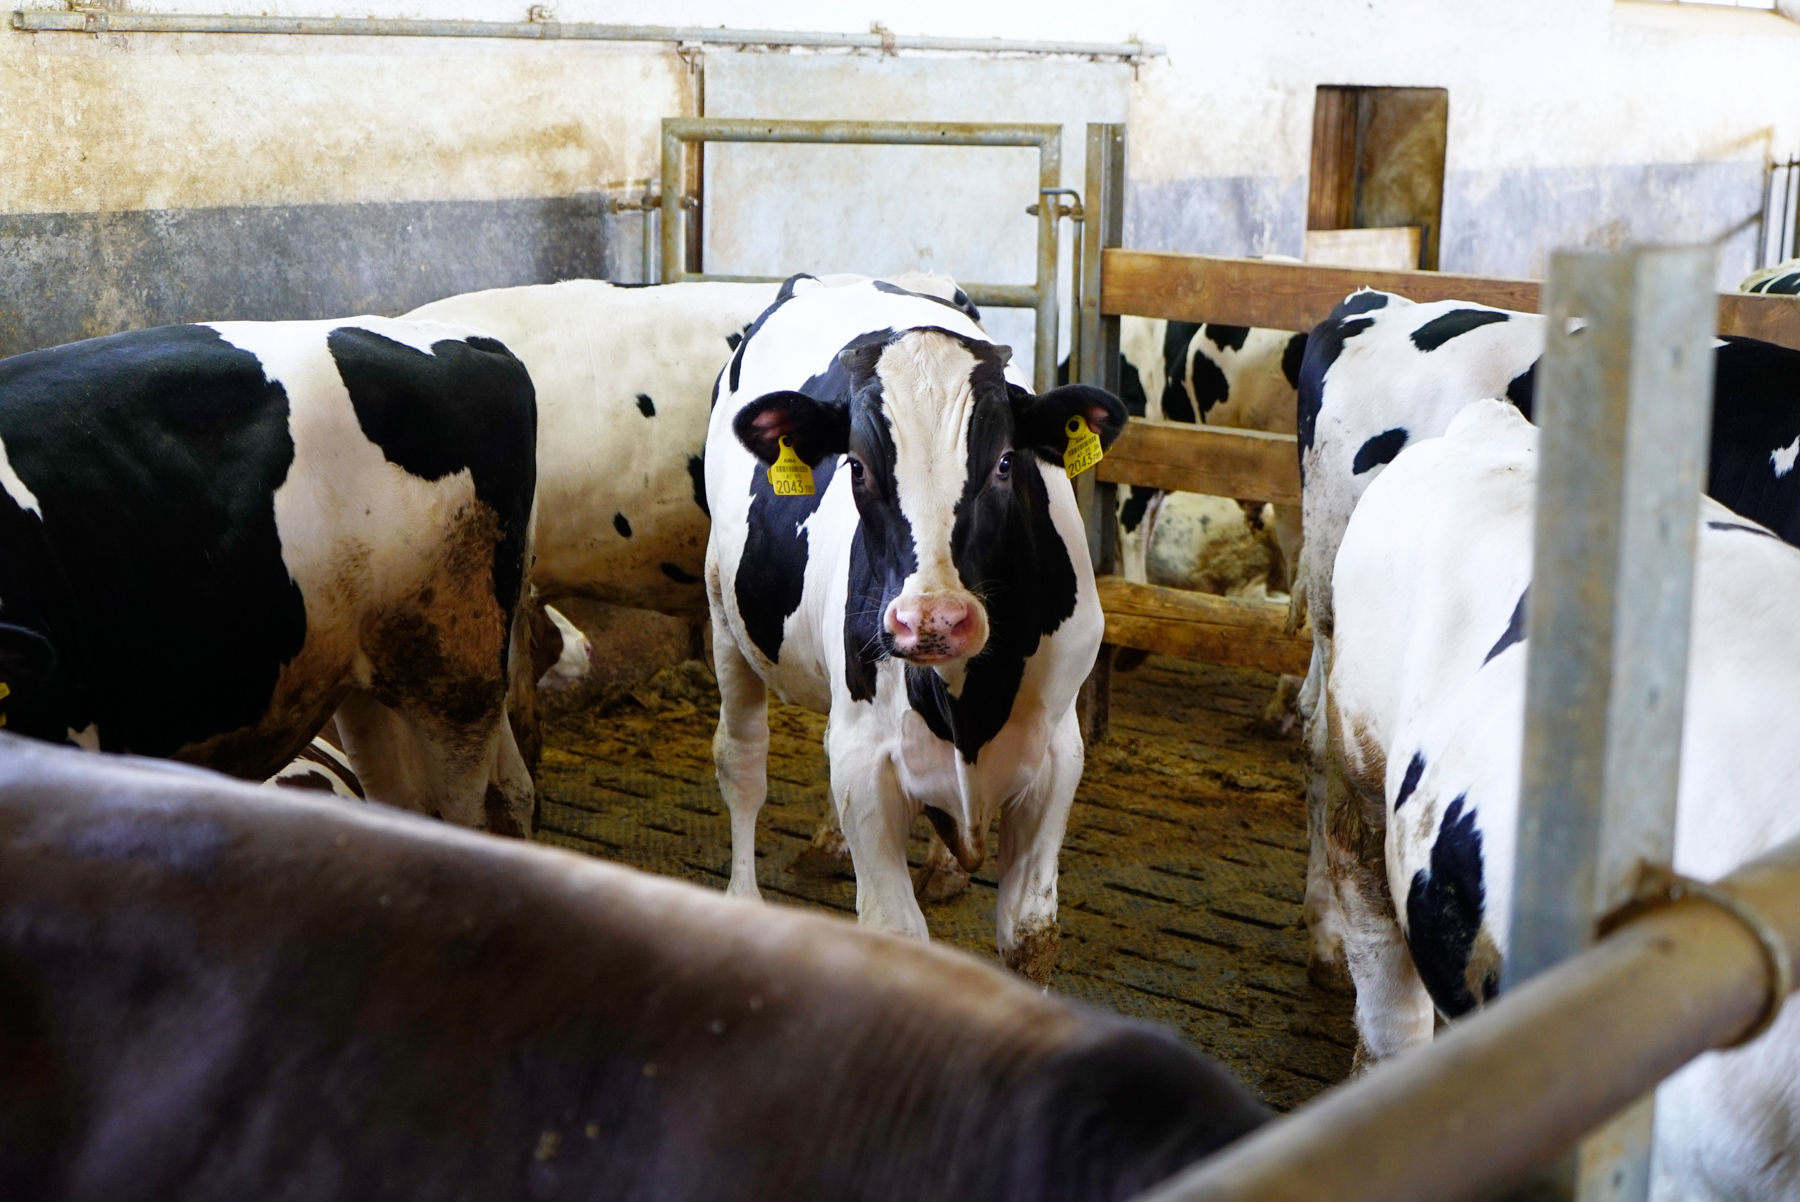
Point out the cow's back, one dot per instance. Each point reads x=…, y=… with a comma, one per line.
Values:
x=1451, y=523
x=388, y=1007
x=624, y=379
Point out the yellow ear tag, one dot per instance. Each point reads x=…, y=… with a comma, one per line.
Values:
x=1084, y=447
x=788, y=476
x=5, y=692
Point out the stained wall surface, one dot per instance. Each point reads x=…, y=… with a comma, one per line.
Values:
x=153, y=178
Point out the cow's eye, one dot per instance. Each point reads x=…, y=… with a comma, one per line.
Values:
x=1003, y=469
x=856, y=469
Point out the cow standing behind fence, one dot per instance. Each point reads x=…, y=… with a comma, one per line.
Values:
x=1426, y=706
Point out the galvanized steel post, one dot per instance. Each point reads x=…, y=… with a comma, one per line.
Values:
x=1624, y=405
x=1098, y=342
x=1506, y=1088
x=1045, y=139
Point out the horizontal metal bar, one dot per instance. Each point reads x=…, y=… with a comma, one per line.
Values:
x=60, y=21
x=885, y=133
x=996, y=296
x=1506, y=1089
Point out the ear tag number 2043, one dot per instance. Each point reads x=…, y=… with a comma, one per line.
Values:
x=1083, y=450
x=788, y=476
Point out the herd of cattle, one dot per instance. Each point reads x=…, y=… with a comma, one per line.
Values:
x=215, y=540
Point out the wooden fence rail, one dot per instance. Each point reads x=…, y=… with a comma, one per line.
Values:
x=1251, y=465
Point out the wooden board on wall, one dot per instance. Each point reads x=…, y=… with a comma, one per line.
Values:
x=1248, y=464
x=1297, y=296
x=1220, y=630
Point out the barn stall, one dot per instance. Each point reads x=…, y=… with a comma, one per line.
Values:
x=132, y=239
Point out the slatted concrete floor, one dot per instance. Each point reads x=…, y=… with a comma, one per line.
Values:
x=1181, y=873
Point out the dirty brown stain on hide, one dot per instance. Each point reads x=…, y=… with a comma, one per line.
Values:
x=1356, y=810
x=442, y=659
x=1038, y=953
x=1484, y=966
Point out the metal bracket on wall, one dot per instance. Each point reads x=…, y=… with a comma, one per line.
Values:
x=1040, y=295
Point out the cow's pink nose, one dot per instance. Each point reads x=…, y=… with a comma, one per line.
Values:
x=930, y=628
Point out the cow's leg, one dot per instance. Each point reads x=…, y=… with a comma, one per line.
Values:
x=1031, y=835
x=470, y=774
x=387, y=757
x=876, y=818
x=1324, y=920
x=1134, y=543
x=740, y=752
x=1393, y=1009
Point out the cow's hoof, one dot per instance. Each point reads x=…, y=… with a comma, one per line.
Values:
x=940, y=881
x=826, y=856
x=1034, y=953
x=1280, y=718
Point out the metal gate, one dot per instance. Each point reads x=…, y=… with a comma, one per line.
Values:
x=678, y=199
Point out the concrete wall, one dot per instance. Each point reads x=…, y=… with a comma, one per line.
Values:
x=158, y=178
x=153, y=178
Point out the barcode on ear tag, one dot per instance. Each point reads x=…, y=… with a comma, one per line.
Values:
x=1083, y=450
x=788, y=476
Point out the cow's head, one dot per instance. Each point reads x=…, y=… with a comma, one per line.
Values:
x=942, y=455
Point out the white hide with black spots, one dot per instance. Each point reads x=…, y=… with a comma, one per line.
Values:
x=785, y=602
x=1427, y=696
x=227, y=532
x=624, y=377
x=1217, y=375
x=1783, y=279
x=321, y=768
x=1383, y=372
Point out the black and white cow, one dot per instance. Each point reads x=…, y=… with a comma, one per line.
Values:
x=1427, y=708
x=624, y=376
x=212, y=537
x=321, y=767
x=1783, y=279
x=1382, y=372
x=1218, y=375
x=933, y=594
x=219, y=991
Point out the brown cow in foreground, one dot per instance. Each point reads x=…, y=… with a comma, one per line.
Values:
x=209, y=990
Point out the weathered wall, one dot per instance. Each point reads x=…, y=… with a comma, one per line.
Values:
x=158, y=178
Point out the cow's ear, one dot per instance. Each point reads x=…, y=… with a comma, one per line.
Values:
x=813, y=428
x=1041, y=422
x=26, y=661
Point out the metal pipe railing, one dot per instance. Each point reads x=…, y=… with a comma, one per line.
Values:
x=96, y=21
x=1625, y=407
x=1510, y=1087
x=1040, y=295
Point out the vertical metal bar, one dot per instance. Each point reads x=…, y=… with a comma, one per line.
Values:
x=1103, y=201
x=1049, y=224
x=673, y=262
x=1625, y=409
